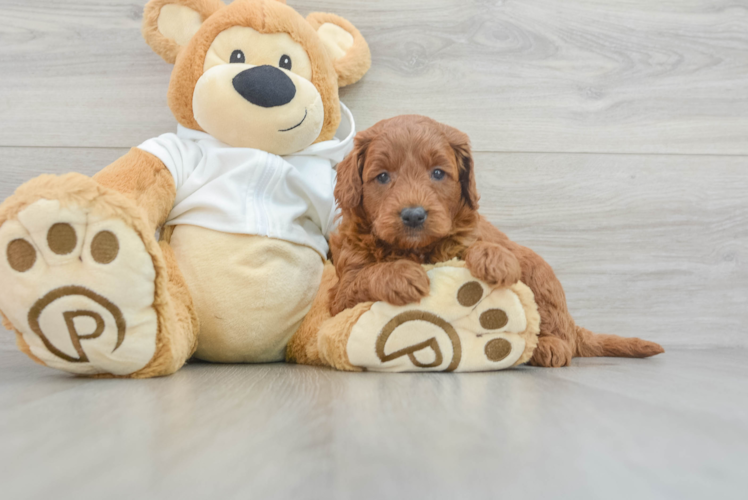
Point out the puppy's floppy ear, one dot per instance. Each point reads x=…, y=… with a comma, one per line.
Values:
x=345, y=45
x=168, y=25
x=460, y=142
x=349, y=188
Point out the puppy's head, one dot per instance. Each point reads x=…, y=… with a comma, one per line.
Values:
x=411, y=179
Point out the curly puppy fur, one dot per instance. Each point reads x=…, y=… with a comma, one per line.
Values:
x=414, y=162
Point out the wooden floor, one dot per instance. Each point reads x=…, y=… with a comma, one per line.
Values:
x=670, y=427
x=610, y=136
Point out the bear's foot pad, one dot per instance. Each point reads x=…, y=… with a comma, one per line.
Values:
x=462, y=325
x=79, y=289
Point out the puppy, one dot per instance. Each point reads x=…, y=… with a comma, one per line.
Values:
x=408, y=197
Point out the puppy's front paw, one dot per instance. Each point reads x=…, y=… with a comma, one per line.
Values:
x=407, y=283
x=493, y=264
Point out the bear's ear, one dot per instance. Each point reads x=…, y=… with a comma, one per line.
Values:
x=347, y=48
x=168, y=25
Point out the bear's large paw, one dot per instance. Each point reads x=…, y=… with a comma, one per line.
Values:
x=463, y=325
x=79, y=287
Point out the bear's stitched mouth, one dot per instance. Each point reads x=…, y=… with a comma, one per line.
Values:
x=297, y=125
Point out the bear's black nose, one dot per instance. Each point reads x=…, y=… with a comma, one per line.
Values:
x=265, y=86
x=413, y=216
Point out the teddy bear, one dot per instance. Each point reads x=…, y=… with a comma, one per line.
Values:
x=241, y=196
x=212, y=242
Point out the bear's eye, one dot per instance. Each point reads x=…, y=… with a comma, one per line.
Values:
x=383, y=178
x=285, y=62
x=437, y=174
x=237, y=56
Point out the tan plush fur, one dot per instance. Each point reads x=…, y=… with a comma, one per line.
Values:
x=265, y=16
x=184, y=341
x=143, y=178
x=321, y=339
x=302, y=348
x=357, y=61
x=165, y=47
x=333, y=342
x=277, y=279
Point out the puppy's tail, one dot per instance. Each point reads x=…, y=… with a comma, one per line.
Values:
x=591, y=344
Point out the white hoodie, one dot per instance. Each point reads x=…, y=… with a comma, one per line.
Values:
x=249, y=191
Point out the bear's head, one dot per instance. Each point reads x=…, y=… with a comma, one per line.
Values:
x=255, y=73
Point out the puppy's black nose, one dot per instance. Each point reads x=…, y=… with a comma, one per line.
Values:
x=265, y=86
x=413, y=216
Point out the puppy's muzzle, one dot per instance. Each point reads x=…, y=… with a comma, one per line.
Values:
x=265, y=86
x=413, y=217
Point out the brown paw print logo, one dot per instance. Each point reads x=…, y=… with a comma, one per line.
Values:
x=468, y=296
x=62, y=240
x=408, y=316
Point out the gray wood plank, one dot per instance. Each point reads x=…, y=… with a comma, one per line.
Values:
x=647, y=246
x=659, y=76
x=668, y=427
x=652, y=246
x=19, y=165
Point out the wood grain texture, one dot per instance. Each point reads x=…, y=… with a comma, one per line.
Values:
x=613, y=429
x=19, y=165
x=663, y=76
x=646, y=245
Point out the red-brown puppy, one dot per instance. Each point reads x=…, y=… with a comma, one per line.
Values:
x=408, y=197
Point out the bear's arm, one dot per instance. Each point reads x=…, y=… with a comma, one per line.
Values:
x=144, y=178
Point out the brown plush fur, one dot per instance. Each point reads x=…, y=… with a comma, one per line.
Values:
x=378, y=258
x=265, y=16
x=143, y=178
x=321, y=340
x=168, y=49
x=351, y=67
x=302, y=347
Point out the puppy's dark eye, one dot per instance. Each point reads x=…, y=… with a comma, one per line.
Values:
x=237, y=56
x=383, y=178
x=437, y=174
x=285, y=62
